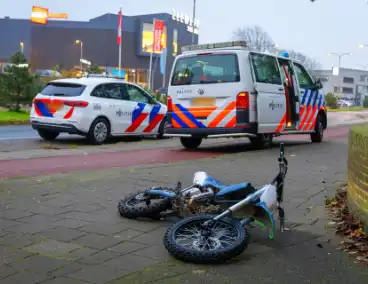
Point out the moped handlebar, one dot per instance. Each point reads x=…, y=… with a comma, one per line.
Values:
x=282, y=150
x=283, y=162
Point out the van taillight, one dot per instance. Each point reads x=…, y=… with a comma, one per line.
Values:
x=76, y=103
x=242, y=101
x=169, y=104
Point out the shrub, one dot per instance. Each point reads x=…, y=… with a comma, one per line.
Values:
x=331, y=100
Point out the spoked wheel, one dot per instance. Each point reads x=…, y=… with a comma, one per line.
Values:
x=142, y=205
x=191, y=241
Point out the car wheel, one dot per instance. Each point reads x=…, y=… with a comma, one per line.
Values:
x=317, y=136
x=47, y=134
x=161, y=129
x=99, y=131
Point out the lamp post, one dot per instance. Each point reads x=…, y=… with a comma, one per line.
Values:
x=194, y=14
x=80, y=42
x=339, y=55
x=21, y=46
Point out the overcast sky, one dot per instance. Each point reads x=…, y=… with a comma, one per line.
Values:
x=312, y=28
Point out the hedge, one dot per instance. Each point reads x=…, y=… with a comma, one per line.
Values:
x=358, y=171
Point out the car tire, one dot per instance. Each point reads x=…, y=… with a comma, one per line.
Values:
x=262, y=141
x=99, y=131
x=190, y=142
x=47, y=134
x=317, y=136
x=161, y=129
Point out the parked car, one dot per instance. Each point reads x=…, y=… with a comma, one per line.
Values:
x=96, y=107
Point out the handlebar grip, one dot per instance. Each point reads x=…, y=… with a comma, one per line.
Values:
x=282, y=150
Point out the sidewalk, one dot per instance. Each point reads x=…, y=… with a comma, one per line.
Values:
x=64, y=228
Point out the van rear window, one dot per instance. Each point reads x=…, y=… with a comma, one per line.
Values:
x=206, y=69
x=63, y=90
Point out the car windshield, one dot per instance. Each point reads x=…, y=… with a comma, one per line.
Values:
x=206, y=69
x=63, y=89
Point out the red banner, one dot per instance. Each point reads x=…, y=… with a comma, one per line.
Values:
x=120, y=26
x=157, y=35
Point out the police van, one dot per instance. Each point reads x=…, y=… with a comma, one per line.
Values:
x=226, y=90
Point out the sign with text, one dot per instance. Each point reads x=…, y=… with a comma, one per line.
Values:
x=192, y=25
x=157, y=34
x=41, y=15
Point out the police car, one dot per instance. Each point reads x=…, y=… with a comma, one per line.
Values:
x=227, y=90
x=96, y=107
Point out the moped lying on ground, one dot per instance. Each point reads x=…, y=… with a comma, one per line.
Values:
x=205, y=195
x=214, y=238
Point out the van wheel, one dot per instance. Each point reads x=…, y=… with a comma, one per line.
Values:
x=47, y=134
x=262, y=141
x=99, y=131
x=317, y=136
x=190, y=143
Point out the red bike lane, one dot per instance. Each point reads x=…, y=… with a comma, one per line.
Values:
x=97, y=161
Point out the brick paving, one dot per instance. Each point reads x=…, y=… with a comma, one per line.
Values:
x=64, y=228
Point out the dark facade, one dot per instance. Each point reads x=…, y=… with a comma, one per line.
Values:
x=54, y=43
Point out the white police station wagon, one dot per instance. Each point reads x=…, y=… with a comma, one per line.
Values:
x=96, y=107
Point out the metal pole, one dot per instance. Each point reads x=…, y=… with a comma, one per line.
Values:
x=81, y=55
x=194, y=14
x=120, y=34
x=153, y=73
x=164, y=79
x=151, y=56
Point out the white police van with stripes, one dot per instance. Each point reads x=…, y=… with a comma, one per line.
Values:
x=226, y=90
x=96, y=107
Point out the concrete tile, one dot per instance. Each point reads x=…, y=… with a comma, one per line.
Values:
x=62, y=234
x=98, y=274
x=97, y=241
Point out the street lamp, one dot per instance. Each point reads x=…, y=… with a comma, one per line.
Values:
x=194, y=14
x=21, y=46
x=339, y=55
x=78, y=41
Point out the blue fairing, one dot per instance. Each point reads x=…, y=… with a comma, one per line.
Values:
x=159, y=192
x=224, y=188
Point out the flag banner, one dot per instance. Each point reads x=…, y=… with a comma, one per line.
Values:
x=120, y=26
x=157, y=35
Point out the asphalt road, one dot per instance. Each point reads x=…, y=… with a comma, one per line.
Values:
x=21, y=132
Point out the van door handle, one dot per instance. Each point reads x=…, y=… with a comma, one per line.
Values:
x=281, y=89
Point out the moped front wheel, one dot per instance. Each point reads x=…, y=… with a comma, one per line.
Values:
x=140, y=205
x=190, y=241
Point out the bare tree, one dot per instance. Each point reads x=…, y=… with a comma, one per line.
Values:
x=256, y=38
x=259, y=40
x=308, y=62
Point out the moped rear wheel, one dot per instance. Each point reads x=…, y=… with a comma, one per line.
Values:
x=141, y=205
x=190, y=241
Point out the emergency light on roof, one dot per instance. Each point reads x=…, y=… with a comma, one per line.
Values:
x=239, y=43
x=285, y=54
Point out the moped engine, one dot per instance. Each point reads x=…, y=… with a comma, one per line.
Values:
x=202, y=202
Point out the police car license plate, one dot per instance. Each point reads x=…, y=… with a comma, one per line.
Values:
x=204, y=101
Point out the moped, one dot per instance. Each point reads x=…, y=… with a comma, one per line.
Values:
x=214, y=238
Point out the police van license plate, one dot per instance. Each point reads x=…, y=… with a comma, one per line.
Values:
x=204, y=101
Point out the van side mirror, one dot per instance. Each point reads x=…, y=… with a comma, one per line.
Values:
x=318, y=85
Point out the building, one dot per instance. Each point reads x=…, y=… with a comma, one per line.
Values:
x=349, y=84
x=58, y=43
